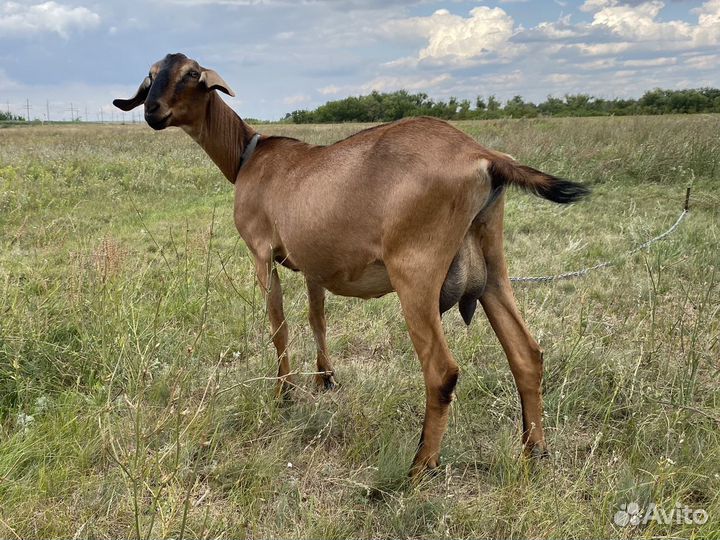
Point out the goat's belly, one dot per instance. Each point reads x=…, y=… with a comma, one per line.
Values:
x=373, y=282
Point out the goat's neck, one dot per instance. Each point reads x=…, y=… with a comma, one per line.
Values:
x=223, y=135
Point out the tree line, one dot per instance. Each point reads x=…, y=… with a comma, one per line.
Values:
x=9, y=117
x=386, y=107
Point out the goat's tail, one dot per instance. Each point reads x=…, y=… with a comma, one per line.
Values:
x=504, y=170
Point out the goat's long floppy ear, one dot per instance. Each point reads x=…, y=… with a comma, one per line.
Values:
x=137, y=99
x=213, y=81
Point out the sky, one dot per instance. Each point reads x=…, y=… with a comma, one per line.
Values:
x=72, y=57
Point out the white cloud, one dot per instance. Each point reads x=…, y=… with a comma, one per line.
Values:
x=639, y=23
x=596, y=65
x=702, y=62
x=486, y=30
x=619, y=28
x=650, y=62
x=594, y=5
x=558, y=30
x=329, y=90
x=24, y=20
x=708, y=30
x=412, y=83
x=295, y=100
x=341, y=5
x=604, y=49
x=483, y=36
x=560, y=78
x=708, y=13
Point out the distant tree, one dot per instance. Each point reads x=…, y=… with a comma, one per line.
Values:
x=577, y=102
x=9, y=117
x=463, y=112
x=384, y=106
x=302, y=117
x=494, y=108
x=552, y=106
x=517, y=108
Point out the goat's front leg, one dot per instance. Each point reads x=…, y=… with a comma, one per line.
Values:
x=270, y=285
x=316, y=299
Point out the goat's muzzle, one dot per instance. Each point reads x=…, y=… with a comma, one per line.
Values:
x=158, y=122
x=157, y=116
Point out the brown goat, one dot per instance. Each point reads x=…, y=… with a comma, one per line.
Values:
x=414, y=206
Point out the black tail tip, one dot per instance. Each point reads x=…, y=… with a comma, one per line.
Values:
x=563, y=191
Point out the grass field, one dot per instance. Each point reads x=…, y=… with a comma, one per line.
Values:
x=136, y=391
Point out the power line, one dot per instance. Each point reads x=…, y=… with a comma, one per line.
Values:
x=72, y=112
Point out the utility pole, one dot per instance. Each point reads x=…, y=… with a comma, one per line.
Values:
x=8, y=108
x=72, y=112
x=27, y=108
x=86, y=116
x=101, y=117
x=47, y=110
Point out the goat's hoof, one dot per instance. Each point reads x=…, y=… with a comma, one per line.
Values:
x=326, y=382
x=283, y=390
x=537, y=451
x=424, y=469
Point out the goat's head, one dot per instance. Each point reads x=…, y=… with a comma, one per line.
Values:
x=175, y=92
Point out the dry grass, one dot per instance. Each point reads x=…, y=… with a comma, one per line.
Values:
x=135, y=361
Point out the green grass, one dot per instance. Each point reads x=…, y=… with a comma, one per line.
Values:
x=136, y=391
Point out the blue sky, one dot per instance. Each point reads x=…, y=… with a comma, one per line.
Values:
x=282, y=55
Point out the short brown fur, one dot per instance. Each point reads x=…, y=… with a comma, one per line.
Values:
x=388, y=209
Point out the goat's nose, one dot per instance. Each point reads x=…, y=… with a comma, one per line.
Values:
x=151, y=107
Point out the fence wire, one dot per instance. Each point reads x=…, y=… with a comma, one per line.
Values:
x=605, y=264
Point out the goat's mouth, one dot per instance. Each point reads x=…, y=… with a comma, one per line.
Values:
x=156, y=123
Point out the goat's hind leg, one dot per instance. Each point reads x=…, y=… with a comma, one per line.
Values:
x=325, y=379
x=523, y=352
x=419, y=291
x=524, y=356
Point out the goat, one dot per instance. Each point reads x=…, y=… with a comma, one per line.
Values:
x=413, y=206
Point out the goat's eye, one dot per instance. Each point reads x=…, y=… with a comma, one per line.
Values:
x=194, y=75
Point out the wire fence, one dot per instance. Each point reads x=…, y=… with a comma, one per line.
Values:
x=605, y=264
x=54, y=111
